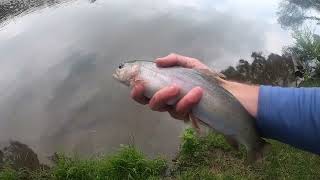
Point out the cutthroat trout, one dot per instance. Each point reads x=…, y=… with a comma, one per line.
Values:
x=218, y=109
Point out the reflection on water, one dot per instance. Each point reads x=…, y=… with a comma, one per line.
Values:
x=56, y=85
x=18, y=155
x=13, y=8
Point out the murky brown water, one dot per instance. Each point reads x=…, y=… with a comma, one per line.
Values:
x=57, y=59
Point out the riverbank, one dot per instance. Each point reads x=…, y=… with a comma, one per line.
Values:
x=207, y=157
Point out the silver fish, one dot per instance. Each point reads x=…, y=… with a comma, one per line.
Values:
x=218, y=109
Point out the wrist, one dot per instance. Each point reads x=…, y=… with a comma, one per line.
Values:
x=247, y=95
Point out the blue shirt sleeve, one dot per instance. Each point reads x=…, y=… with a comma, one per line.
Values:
x=290, y=115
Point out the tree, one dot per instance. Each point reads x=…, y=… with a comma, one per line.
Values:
x=280, y=70
x=274, y=70
x=244, y=69
x=258, y=69
x=293, y=13
x=307, y=49
x=233, y=74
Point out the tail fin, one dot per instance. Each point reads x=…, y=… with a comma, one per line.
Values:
x=258, y=153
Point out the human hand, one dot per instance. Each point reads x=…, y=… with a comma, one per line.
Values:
x=158, y=102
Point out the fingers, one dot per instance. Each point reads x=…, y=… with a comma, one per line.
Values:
x=183, y=108
x=159, y=101
x=175, y=60
x=179, y=60
x=137, y=93
x=191, y=99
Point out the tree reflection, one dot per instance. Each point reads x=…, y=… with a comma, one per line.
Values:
x=18, y=155
x=13, y=8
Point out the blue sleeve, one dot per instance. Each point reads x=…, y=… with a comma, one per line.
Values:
x=290, y=115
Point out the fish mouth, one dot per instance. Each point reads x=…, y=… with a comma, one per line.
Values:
x=116, y=75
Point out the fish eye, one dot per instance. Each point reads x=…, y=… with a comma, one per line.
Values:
x=121, y=66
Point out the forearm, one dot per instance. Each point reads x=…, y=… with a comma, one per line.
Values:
x=247, y=95
x=290, y=115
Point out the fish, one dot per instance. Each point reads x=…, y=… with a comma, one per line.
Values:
x=218, y=109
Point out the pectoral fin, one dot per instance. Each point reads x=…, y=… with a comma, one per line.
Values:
x=195, y=122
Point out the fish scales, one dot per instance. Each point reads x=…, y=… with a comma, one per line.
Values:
x=218, y=108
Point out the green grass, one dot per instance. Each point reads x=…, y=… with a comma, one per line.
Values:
x=213, y=158
x=311, y=83
x=207, y=157
x=127, y=163
x=10, y=174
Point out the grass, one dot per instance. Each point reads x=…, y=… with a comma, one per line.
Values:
x=10, y=174
x=127, y=163
x=311, y=83
x=213, y=158
x=207, y=157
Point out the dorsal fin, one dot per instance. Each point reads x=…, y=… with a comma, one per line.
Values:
x=211, y=75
